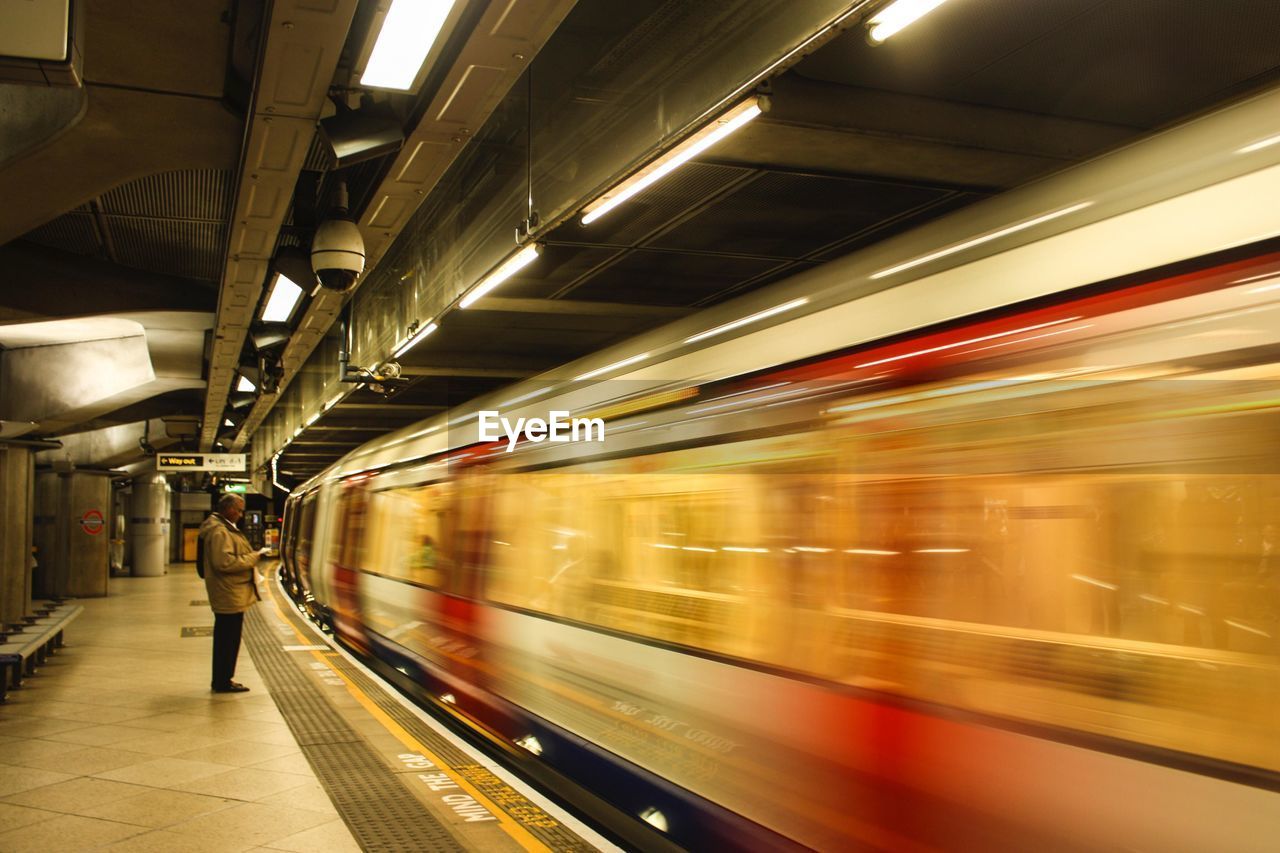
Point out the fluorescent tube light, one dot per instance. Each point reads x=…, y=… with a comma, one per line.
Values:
x=591, y=374
x=760, y=315
x=413, y=341
x=245, y=385
x=283, y=299
x=408, y=32
x=896, y=17
x=227, y=422
x=976, y=241
x=335, y=400
x=505, y=270
x=717, y=130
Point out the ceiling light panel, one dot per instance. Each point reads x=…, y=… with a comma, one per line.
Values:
x=407, y=35
x=283, y=300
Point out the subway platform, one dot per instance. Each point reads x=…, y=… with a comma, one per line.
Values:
x=117, y=744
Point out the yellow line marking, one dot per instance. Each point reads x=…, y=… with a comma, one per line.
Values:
x=518, y=833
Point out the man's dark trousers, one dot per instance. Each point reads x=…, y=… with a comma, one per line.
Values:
x=226, y=646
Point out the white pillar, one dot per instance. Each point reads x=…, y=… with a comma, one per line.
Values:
x=149, y=525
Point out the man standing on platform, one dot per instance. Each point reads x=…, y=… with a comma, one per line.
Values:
x=230, y=568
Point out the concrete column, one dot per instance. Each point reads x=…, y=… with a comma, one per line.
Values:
x=16, y=506
x=149, y=525
x=71, y=533
x=87, y=499
x=46, y=536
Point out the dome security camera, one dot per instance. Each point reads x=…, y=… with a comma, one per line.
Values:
x=337, y=254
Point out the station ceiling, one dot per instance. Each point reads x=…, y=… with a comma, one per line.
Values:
x=128, y=203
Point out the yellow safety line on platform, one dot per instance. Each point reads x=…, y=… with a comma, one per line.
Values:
x=512, y=827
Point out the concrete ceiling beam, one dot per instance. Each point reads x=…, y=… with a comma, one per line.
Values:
x=112, y=447
x=302, y=47
x=492, y=59
x=825, y=127
x=122, y=135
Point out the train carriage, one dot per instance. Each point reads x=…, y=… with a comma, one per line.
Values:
x=969, y=549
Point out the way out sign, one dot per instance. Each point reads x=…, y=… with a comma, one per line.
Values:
x=200, y=462
x=91, y=522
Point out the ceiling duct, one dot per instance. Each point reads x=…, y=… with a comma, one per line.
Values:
x=38, y=42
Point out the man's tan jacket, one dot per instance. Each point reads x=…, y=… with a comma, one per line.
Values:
x=229, y=565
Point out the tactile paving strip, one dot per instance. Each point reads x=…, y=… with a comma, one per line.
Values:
x=537, y=822
x=381, y=813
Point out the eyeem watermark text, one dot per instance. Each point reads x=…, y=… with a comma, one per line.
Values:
x=559, y=428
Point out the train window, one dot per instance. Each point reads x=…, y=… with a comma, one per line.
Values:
x=352, y=508
x=406, y=534
x=305, y=536
x=468, y=533
x=390, y=516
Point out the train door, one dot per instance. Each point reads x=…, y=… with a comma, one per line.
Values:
x=304, y=542
x=467, y=529
x=348, y=556
x=289, y=545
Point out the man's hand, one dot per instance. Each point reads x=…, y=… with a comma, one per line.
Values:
x=264, y=552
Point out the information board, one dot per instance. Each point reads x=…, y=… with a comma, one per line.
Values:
x=200, y=461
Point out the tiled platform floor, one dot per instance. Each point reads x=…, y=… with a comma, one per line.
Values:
x=117, y=744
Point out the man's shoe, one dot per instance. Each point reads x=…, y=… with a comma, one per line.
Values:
x=231, y=687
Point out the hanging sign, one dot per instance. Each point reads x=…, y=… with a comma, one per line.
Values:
x=91, y=522
x=200, y=462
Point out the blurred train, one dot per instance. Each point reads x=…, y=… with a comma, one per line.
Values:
x=970, y=540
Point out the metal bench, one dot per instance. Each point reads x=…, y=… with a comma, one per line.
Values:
x=29, y=645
